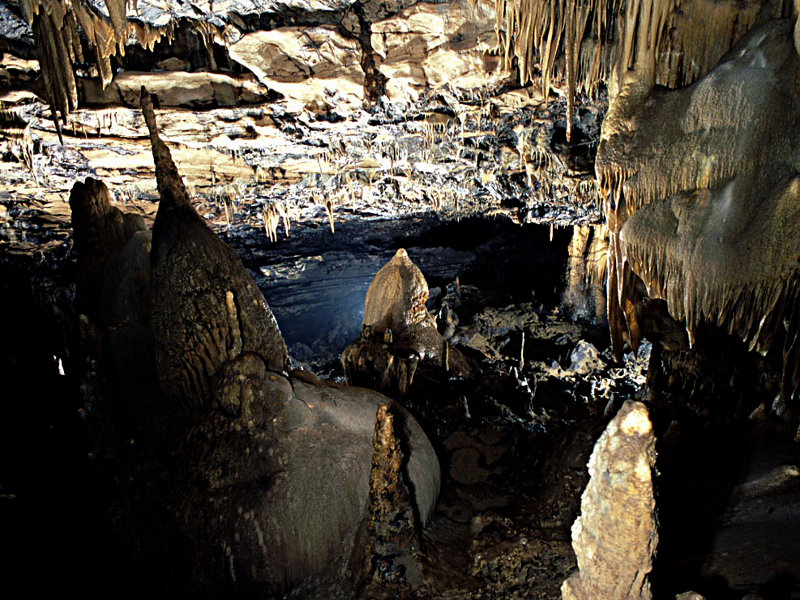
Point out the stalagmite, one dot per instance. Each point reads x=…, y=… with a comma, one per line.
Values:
x=111, y=294
x=391, y=555
x=397, y=332
x=99, y=230
x=615, y=536
x=269, y=471
x=584, y=295
x=190, y=267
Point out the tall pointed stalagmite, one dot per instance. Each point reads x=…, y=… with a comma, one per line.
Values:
x=391, y=561
x=615, y=536
x=205, y=308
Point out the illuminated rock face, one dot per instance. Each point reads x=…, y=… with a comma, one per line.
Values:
x=396, y=301
x=398, y=333
x=615, y=536
x=702, y=198
x=320, y=55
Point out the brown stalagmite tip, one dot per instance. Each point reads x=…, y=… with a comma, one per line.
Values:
x=170, y=184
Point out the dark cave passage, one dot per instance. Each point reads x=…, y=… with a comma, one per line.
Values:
x=315, y=283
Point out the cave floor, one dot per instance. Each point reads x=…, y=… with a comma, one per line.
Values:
x=513, y=448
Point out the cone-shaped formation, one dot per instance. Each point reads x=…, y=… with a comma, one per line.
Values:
x=112, y=296
x=615, y=536
x=702, y=197
x=584, y=295
x=398, y=333
x=205, y=308
x=392, y=553
x=396, y=301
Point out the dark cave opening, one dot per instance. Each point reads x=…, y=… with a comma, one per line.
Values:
x=318, y=278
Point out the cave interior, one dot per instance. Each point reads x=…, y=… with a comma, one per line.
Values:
x=553, y=237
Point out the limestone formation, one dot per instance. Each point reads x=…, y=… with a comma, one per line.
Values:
x=391, y=551
x=397, y=332
x=326, y=55
x=99, y=230
x=431, y=44
x=301, y=63
x=615, y=536
x=204, y=306
x=584, y=295
x=702, y=216
x=112, y=295
x=285, y=492
x=396, y=301
x=623, y=44
x=269, y=472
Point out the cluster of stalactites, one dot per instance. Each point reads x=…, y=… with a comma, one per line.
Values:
x=674, y=41
x=56, y=26
x=538, y=31
x=700, y=186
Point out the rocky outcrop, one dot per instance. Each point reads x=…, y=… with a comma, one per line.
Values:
x=179, y=88
x=286, y=481
x=431, y=44
x=317, y=67
x=318, y=54
x=615, y=536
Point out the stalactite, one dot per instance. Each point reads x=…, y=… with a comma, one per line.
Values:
x=117, y=10
x=540, y=30
x=667, y=42
x=687, y=148
x=55, y=27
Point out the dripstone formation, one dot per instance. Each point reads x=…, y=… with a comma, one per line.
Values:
x=615, y=536
x=398, y=333
x=268, y=470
